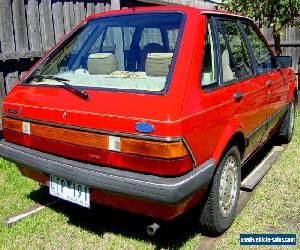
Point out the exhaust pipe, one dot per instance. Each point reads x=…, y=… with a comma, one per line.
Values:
x=152, y=229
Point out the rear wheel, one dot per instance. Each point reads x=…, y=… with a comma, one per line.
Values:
x=220, y=205
x=288, y=124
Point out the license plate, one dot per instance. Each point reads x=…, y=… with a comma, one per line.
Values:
x=69, y=191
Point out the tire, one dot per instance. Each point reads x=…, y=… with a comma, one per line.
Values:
x=287, y=128
x=219, y=210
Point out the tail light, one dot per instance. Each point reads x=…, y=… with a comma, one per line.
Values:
x=165, y=150
x=125, y=152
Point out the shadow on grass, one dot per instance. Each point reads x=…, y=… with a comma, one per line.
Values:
x=101, y=219
x=259, y=156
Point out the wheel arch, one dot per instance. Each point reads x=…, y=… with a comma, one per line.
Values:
x=233, y=135
x=296, y=95
x=293, y=92
x=238, y=140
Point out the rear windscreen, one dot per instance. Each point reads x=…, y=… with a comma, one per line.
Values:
x=126, y=52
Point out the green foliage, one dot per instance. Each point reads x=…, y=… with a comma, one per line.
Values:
x=275, y=14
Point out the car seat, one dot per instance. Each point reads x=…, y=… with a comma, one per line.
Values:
x=149, y=48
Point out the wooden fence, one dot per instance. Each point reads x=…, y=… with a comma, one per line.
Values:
x=290, y=43
x=35, y=25
x=30, y=27
x=290, y=40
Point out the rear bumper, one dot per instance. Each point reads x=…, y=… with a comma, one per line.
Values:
x=168, y=190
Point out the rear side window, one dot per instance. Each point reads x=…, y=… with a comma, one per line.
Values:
x=209, y=75
x=236, y=62
x=262, y=54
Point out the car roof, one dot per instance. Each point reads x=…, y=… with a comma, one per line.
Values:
x=185, y=9
x=224, y=13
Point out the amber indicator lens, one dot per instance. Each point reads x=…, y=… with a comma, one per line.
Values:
x=12, y=124
x=167, y=150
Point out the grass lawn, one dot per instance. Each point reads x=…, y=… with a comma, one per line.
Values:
x=274, y=207
x=64, y=225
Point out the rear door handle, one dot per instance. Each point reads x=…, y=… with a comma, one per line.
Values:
x=238, y=95
x=269, y=83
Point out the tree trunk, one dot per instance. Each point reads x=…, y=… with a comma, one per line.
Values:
x=277, y=47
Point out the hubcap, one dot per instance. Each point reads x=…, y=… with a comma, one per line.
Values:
x=292, y=118
x=228, y=186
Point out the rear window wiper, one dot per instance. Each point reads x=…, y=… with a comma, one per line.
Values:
x=81, y=93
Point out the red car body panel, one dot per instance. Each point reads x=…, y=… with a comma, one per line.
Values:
x=113, y=116
x=185, y=111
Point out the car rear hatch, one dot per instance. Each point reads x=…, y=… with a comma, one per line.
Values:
x=124, y=130
x=110, y=93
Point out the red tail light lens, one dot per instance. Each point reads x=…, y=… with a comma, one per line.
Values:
x=156, y=157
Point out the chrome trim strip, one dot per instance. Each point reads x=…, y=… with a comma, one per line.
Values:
x=99, y=131
x=189, y=151
x=266, y=122
x=264, y=125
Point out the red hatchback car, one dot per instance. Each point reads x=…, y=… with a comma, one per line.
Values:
x=151, y=110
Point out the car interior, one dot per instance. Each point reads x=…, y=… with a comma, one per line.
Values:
x=114, y=56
